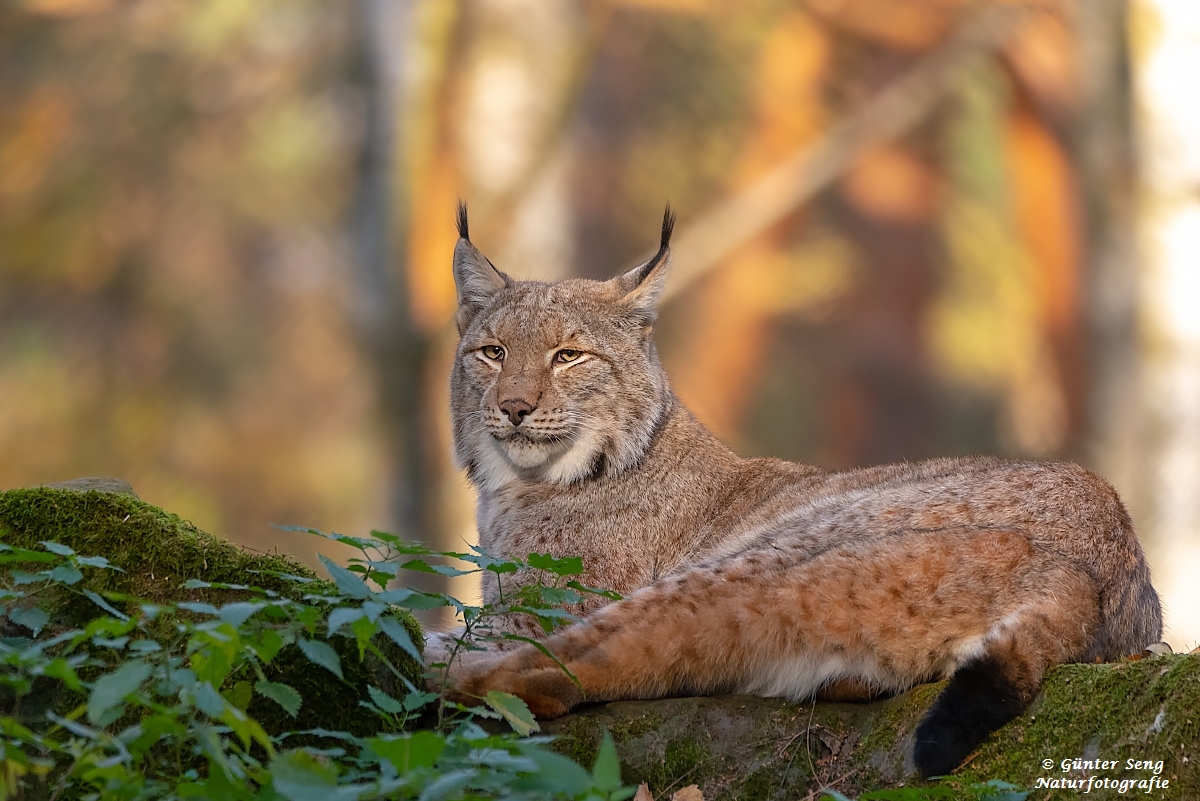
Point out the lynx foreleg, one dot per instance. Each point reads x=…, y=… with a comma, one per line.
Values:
x=654, y=643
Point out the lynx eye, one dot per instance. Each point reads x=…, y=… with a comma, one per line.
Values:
x=493, y=352
x=566, y=356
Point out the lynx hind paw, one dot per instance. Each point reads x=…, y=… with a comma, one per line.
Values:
x=978, y=700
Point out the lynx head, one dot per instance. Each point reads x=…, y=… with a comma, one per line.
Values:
x=555, y=382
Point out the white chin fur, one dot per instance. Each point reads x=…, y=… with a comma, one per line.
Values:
x=526, y=455
x=577, y=462
x=502, y=462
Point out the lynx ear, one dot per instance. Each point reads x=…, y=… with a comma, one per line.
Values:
x=642, y=286
x=475, y=278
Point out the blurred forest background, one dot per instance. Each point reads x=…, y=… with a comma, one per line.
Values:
x=907, y=228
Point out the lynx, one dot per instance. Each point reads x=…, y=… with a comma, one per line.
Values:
x=760, y=575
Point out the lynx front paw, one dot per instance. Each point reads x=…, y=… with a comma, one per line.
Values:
x=548, y=691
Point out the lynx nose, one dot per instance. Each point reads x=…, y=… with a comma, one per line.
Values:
x=517, y=410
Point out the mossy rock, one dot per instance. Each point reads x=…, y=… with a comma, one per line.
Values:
x=157, y=552
x=741, y=747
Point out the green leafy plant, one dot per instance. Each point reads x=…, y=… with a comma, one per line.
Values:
x=155, y=700
x=994, y=790
x=554, y=585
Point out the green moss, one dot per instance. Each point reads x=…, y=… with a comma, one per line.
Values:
x=622, y=730
x=579, y=739
x=894, y=718
x=762, y=783
x=751, y=748
x=684, y=762
x=1133, y=710
x=157, y=552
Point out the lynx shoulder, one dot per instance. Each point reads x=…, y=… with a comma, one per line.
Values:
x=760, y=575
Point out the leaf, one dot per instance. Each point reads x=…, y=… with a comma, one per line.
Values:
x=447, y=785
x=548, y=619
x=116, y=643
x=606, y=773
x=910, y=794
x=389, y=568
x=395, y=631
x=412, y=599
x=97, y=561
x=407, y=753
x=113, y=688
x=415, y=700
x=268, y=645
x=514, y=710
x=373, y=610
x=199, y=608
x=321, y=653
x=297, y=776
x=421, y=566
x=58, y=548
x=66, y=574
x=208, y=700
x=103, y=604
x=62, y=670
x=280, y=693
x=236, y=614
x=384, y=536
x=1003, y=791
x=239, y=695
x=396, y=596
x=643, y=793
x=340, y=617
x=570, y=566
x=384, y=701
x=547, y=652
x=347, y=582
x=569, y=777
x=489, y=562
x=610, y=594
x=9, y=554
x=32, y=618
x=558, y=595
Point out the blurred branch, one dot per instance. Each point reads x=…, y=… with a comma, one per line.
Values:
x=707, y=241
x=378, y=294
x=383, y=314
x=555, y=137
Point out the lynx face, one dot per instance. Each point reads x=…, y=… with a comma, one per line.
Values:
x=555, y=382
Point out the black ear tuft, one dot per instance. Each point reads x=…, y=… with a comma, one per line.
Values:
x=664, y=245
x=668, y=227
x=464, y=233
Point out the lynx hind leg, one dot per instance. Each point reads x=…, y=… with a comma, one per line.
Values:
x=1053, y=626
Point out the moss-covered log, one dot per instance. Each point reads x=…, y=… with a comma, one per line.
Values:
x=754, y=748
x=157, y=552
x=732, y=747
